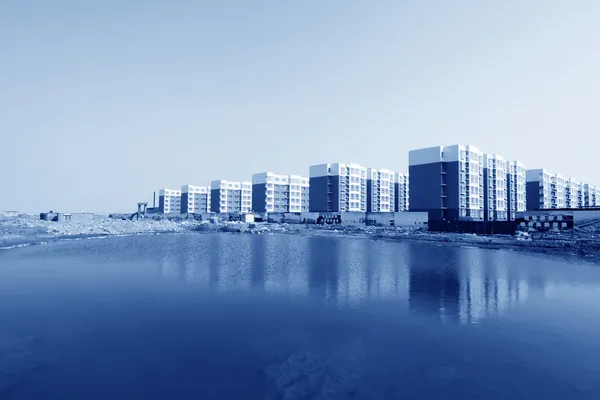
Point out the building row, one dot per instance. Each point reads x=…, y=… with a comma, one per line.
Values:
x=458, y=182
x=547, y=190
x=331, y=188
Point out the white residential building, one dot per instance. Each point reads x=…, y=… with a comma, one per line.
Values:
x=447, y=182
x=338, y=188
x=169, y=201
x=401, y=192
x=195, y=199
x=230, y=197
x=516, y=186
x=279, y=193
x=574, y=197
x=545, y=190
x=381, y=190
x=591, y=195
x=495, y=199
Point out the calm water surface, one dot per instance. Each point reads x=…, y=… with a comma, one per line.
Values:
x=217, y=316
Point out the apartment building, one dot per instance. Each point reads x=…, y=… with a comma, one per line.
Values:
x=195, y=199
x=516, y=187
x=401, y=192
x=279, y=193
x=545, y=190
x=447, y=182
x=337, y=188
x=574, y=197
x=495, y=186
x=381, y=190
x=169, y=201
x=229, y=197
x=591, y=196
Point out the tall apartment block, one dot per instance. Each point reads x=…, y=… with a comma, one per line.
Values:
x=574, y=196
x=517, y=193
x=279, y=193
x=447, y=182
x=495, y=186
x=338, y=188
x=401, y=192
x=230, y=197
x=381, y=190
x=195, y=199
x=545, y=190
x=169, y=201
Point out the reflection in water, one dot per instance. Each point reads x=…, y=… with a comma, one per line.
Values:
x=323, y=268
x=462, y=285
x=434, y=283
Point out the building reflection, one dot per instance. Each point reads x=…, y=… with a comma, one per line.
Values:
x=323, y=268
x=455, y=284
x=259, y=260
x=434, y=286
x=463, y=285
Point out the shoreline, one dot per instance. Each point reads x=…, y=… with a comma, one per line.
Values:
x=25, y=232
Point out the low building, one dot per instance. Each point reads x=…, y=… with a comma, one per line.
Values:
x=67, y=217
x=11, y=213
x=230, y=197
x=279, y=193
x=195, y=199
x=381, y=190
x=169, y=201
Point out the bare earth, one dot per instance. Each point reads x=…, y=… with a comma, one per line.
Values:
x=21, y=231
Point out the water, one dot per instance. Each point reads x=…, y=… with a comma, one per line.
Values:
x=216, y=316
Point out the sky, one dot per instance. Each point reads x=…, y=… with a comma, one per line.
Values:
x=102, y=103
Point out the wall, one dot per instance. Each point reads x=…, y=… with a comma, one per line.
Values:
x=532, y=196
x=579, y=216
x=583, y=216
x=318, y=194
x=353, y=218
x=424, y=185
x=81, y=217
x=411, y=219
x=215, y=200
x=379, y=218
x=259, y=200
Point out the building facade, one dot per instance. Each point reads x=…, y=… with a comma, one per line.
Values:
x=495, y=186
x=338, y=188
x=169, y=201
x=545, y=190
x=230, y=197
x=381, y=190
x=401, y=192
x=195, y=199
x=516, y=186
x=447, y=182
x=279, y=193
x=574, y=197
x=591, y=196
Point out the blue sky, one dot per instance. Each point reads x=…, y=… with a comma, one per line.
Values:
x=103, y=102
